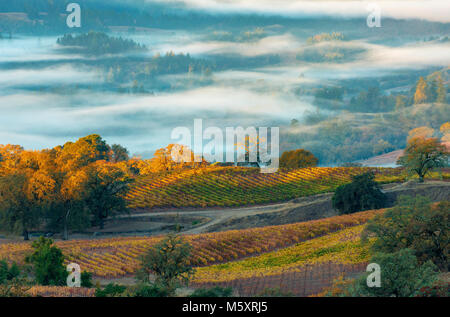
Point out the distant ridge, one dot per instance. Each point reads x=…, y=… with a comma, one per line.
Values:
x=384, y=160
x=387, y=159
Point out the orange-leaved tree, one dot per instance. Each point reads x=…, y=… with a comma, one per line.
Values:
x=298, y=159
x=68, y=186
x=422, y=155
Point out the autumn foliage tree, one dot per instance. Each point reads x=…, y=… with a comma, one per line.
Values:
x=422, y=155
x=421, y=132
x=74, y=185
x=170, y=158
x=445, y=130
x=298, y=159
x=18, y=213
x=420, y=96
x=9, y=157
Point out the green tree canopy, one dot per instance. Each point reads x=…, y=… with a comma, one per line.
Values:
x=104, y=189
x=363, y=193
x=401, y=276
x=48, y=263
x=417, y=224
x=169, y=262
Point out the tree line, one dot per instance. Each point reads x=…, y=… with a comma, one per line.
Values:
x=74, y=186
x=427, y=90
x=99, y=43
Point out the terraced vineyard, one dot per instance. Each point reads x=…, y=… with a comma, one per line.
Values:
x=343, y=247
x=120, y=256
x=234, y=186
x=304, y=269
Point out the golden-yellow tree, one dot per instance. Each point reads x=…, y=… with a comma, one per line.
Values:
x=445, y=130
x=421, y=132
x=71, y=185
x=420, y=95
x=297, y=159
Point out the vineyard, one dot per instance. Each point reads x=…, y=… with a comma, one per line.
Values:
x=302, y=270
x=311, y=279
x=307, y=281
x=60, y=291
x=238, y=186
x=118, y=257
x=343, y=247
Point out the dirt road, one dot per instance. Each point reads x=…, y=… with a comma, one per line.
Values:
x=211, y=220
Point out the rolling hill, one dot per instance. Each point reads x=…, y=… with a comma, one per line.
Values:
x=238, y=186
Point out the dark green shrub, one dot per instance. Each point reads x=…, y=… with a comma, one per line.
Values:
x=111, y=290
x=213, y=292
x=48, y=263
x=8, y=272
x=363, y=193
x=86, y=279
x=151, y=290
x=13, y=282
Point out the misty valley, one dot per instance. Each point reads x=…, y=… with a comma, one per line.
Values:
x=129, y=82
x=238, y=148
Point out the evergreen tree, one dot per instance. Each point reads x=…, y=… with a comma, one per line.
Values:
x=432, y=88
x=48, y=263
x=441, y=92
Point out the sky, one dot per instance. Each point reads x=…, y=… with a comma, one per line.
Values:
x=432, y=10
